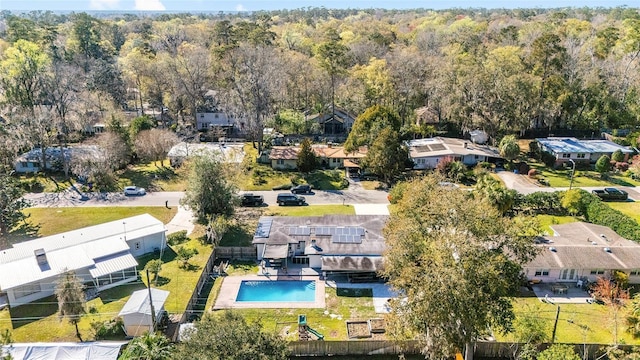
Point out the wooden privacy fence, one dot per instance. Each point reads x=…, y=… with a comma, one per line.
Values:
x=484, y=350
x=369, y=347
x=236, y=252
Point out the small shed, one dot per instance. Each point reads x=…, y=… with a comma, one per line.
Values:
x=136, y=313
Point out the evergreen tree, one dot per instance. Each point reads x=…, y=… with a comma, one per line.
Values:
x=307, y=160
x=71, y=300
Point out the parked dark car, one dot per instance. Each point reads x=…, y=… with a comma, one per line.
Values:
x=611, y=194
x=301, y=189
x=252, y=200
x=290, y=199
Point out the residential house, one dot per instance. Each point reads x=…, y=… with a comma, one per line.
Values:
x=329, y=156
x=94, y=350
x=585, y=151
x=427, y=153
x=427, y=115
x=583, y=251
x=103, y=256
x=137, y=312
x=217, y=120
x=31, y=161
x=338, y=122
x=329, y=244
x=223, y=152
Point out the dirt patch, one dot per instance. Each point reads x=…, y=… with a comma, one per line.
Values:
x=358, y=329
x=377, y=325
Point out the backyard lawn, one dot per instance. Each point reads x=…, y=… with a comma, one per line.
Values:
x=154, y=177
x=578, y=323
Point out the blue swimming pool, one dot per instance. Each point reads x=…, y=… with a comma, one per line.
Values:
x=277, y=291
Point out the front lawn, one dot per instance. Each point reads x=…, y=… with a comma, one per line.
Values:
x=581, y=178
x=310, y=210
x=58, y=220
x=629, y=208
x=547, y=220
x=154, y=177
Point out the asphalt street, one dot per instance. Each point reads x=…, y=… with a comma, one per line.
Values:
x=71, y=198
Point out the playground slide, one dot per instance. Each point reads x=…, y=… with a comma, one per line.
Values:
x=315, y=333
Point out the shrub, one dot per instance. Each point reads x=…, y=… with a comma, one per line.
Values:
x=621, y=166
x=617, y=156
x=548, y=159
x=523, y=168
x=540, y=202
x=484, y=165
x=108, y=330
x=397, y=191
x=177, y=237
x=532, y=173
x=283, y=187
x=603, y=164
x=534, y=150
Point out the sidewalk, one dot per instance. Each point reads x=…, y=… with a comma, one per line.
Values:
x=183, y=220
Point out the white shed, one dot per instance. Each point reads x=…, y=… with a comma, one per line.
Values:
x=136, y=313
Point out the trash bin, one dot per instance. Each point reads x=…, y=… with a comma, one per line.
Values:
x=515, y=171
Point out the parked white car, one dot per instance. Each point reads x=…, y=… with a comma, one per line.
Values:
x=134, y=190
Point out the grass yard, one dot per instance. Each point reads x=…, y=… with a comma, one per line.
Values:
x=154, y=177
x=39, y=321
x=547, y=220
x=630, y=208
x=50, y=182
x=582, y=178
x=310, y=210
x=578, y=323
x=331, y=324
x=57, y=220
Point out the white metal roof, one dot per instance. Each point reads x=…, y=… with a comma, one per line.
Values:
x=113, y=263
x=573, y=145
x=138, y=303
x=91, y=247
x=98, y=350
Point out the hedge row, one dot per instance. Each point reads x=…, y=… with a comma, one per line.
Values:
x=600, y=213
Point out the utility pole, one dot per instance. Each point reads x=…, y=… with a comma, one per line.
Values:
x=555, y=324
x=153, y=312
x=573, y=171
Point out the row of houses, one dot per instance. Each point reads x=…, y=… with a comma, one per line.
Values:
x=355, y=245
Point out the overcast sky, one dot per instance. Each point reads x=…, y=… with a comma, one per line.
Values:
x=253, y=5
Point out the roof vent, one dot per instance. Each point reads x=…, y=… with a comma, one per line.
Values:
x=552, y=249
x=607, y=250
x=41, y=257
x=594, y=243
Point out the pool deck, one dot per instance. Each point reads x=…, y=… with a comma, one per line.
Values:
x=231, y=284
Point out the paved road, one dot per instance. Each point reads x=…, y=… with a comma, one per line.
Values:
x=521, y=184
x=70, y=198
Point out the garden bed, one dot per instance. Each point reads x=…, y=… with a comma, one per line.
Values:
x=377, y=325
x=358, y=329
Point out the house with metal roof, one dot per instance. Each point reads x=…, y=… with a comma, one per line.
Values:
x=583, y=251
x=102, y=256
x=427, y=153
x=31, y=161
x=587, y=151
x=329, y=244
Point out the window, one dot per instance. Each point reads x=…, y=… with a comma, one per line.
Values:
x=566, y=156
x=477, y=157
x=581, y=156
x=635, y=272
x=280, y=162
x=216, y=116
x=300, y=245
x=542, y=272
x=597, y=272
x=26, y=290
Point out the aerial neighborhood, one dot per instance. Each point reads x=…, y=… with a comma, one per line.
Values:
x=319, y=182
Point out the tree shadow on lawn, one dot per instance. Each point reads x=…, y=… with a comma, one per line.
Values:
x=354, y=292
x=28, y=313
x=239, y=234
x=23, y=232
x=168, y=255
x=120, y=292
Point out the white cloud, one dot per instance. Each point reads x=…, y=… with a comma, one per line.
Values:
x=149, y=5
x=240, y=7
x=104, y=4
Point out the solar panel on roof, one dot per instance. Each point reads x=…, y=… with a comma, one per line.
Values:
x=437, y=147
x=264, y=228
x=346, y=239
x=324, y=230
x=423, y=148
x=299, y=230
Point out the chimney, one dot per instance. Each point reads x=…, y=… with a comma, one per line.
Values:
x=41, y=257
x=465, y=144
x=329, y=144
